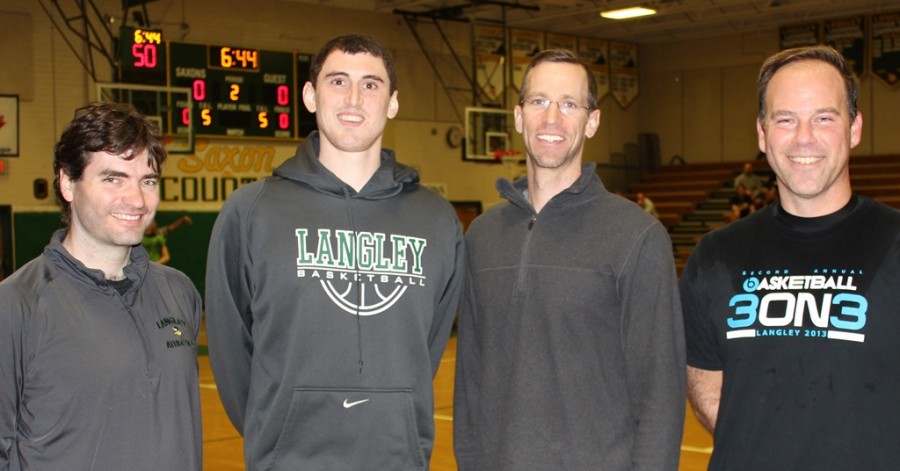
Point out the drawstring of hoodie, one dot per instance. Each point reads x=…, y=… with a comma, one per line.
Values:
x=357, y=280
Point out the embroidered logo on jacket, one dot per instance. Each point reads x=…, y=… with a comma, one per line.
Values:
x=176, y=326
x=348, y=404
x=777, y=303
x=362, y=273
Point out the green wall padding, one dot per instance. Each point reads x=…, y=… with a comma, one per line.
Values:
x=32, y=232
x=187, y=244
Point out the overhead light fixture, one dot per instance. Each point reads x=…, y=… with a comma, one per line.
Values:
x=626, y=13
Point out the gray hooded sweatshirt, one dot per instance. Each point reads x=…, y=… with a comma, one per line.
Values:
x=328, y=311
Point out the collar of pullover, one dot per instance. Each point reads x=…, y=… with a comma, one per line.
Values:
x=304, y=167
x=94, y=279
x=575, y=194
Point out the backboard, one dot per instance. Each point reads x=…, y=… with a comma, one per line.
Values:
x=169, y=107
x=491, y=135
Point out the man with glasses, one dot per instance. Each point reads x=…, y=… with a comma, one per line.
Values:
x=570, y=333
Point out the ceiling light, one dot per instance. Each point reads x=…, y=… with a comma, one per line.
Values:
x=625, y=13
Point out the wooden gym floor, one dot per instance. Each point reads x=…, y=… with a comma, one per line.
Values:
x=222, y=446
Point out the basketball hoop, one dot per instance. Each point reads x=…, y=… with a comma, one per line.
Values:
x=508, y=155
x=500, y=153
x=512, y=160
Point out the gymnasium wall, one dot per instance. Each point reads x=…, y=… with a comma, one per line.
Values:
x=699, y=97
x=187, y=245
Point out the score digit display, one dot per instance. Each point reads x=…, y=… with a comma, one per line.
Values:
x=237, y=91
x=142, y=56
x=226, y=57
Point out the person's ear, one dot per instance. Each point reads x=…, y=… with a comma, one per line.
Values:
x=393, y=105
x=66, y=186
x=309, y=97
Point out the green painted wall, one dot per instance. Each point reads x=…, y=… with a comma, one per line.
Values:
x=187, y=245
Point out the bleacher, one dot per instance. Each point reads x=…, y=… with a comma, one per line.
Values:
x=878, y=177
x=693, y=199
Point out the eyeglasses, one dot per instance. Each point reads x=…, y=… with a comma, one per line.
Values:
x=566, y=107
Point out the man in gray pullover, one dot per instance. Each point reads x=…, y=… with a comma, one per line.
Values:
x=571, y=341
x=98, y=359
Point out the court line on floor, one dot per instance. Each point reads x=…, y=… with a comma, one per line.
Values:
x=697, y=449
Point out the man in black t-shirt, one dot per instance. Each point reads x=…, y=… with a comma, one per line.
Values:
x=791, y=313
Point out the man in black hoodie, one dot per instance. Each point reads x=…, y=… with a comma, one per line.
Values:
x=332, y=287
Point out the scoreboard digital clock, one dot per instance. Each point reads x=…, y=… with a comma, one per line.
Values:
x=233, y=58
x=255, y=98
x=236, y=91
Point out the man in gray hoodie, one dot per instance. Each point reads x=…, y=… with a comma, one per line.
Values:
x=332, y=287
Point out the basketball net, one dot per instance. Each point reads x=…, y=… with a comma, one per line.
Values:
x=512, y=161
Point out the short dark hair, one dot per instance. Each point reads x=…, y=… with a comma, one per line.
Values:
x=564, y=56
x=354, y=44
x=820, y=53
x=116, y=128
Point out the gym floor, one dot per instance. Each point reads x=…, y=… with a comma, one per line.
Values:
x=222, y=445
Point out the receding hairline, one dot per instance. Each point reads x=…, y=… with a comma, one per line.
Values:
x=806, y=62
x=526, y=86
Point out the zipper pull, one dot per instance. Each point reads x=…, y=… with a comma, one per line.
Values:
x=531, y=222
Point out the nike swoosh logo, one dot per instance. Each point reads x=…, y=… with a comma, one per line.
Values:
x=348, y=405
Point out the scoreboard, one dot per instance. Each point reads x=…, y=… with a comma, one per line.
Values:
x=236, y=91
x=142, y=56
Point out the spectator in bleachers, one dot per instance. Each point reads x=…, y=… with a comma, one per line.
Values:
x=647, y=205
x=742, y=203
x=752, y=182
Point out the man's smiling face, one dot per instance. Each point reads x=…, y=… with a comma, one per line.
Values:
x=352, y=102
x=554, y=139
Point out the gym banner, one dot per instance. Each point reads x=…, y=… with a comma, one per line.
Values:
x=523, y=45
x=799, y=35
x=561, y=41
x=595, y=53
x=886, y=47
x=624, y=72
x=848, y=36
x=490, y=62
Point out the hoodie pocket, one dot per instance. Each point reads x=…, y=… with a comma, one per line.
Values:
x=349, y=429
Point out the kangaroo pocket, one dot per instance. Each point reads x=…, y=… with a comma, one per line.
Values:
x=349, y=429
